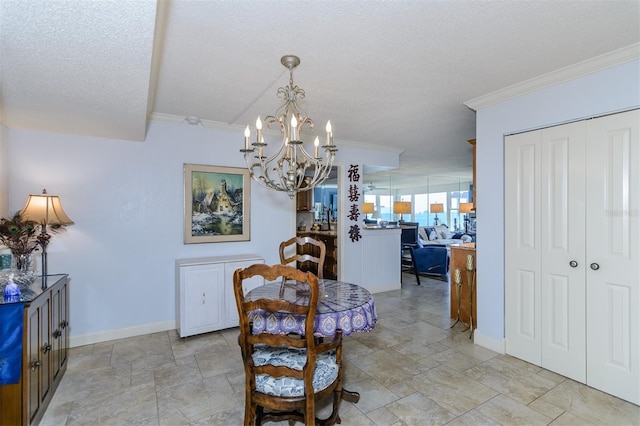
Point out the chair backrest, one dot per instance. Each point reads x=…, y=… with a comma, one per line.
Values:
x=301, y=250
x=409, y=233
x=305, y=281
x=314, y=350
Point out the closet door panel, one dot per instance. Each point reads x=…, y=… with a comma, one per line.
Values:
x=522, y=239
x=613, y=255
x=563, y=250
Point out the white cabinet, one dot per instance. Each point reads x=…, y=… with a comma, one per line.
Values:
x=572, y=251
x=204, y=292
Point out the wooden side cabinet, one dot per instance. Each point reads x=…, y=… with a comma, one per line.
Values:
x=459, y=261
x=204, y=292
x=45, y=349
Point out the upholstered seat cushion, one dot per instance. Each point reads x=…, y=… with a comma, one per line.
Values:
x=326, y=370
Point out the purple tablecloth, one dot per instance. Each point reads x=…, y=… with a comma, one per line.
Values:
x=341, y=306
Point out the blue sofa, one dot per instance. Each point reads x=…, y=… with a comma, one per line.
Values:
x=429, y=260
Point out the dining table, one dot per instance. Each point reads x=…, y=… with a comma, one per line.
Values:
x=341, y=305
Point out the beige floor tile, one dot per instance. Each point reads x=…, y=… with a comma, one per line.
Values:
x=549, y=410
x=416, y=409
x=523, y=385
x=382, y=417
x=451, y=389
x=411, y=370
x=457, y=360
x=195, y=400
x=592, y=405
x=507, y=411
x=219, y=361
x=134, y=405
x=417, y=349
x=373, y=395
x=382, y=338
x=473, y=418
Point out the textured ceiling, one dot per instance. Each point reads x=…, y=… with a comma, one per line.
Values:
x=387, y=73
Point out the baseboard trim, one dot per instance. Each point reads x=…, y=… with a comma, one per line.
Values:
x=496, y=345
x=121, y=333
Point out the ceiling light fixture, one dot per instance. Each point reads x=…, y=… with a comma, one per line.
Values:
x=291, y=168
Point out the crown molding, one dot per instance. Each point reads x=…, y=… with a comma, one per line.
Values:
x=571, y=72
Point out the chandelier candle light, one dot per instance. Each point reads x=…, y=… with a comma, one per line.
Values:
x=291, y=168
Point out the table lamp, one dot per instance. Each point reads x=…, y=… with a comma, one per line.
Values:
x=436, y=208
x=466, y=208
x=367, y=208
x=47, y=211
x=402, y=207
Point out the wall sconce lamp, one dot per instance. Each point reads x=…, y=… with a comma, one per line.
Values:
x=401, y=208
x=466, y=208
x=47, y=211
x=367, y=208
x=436, y=208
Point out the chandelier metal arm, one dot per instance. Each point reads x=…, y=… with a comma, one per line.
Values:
x=294, y=168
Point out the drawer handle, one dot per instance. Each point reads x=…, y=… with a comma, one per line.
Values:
x=35, y=364
x=64, y=324
x=56, y=333
x=46, y=348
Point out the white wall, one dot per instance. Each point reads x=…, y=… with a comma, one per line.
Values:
x=126, y=199
x=611, y=90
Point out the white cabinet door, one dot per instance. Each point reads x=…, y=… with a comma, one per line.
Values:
x=201, y=290
x=204, y=292
x=247, y=285
x=613, y=247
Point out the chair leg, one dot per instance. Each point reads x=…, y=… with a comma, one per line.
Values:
x=250, y=417
x=415, y=268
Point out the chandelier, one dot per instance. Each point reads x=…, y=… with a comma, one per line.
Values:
x=291, y=168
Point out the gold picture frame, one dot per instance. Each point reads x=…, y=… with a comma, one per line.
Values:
x=216, y=204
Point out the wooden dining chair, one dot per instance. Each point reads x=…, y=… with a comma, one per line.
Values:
x=286, y=374
x=297, y=245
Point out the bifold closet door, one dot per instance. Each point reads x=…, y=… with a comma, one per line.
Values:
x=572, y=251
x=522, y=247
x=613, y=254
x=545, y=247
x=562, y=268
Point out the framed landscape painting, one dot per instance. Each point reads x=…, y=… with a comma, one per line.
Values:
x=216, y=204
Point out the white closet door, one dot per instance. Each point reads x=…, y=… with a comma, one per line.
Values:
x=522, y=246
x=613, y=246
x=562, y=272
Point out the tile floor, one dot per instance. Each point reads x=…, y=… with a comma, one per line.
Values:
x=411, y=370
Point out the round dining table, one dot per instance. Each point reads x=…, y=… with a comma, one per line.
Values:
x=341, y=305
